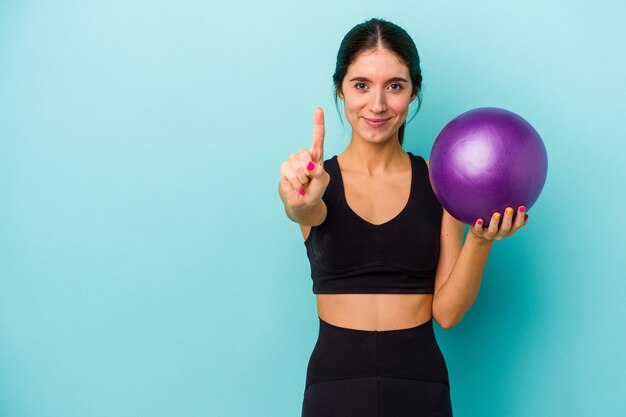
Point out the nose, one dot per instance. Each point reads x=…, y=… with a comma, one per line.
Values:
x=377, y=102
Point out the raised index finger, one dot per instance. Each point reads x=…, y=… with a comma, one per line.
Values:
x=317, y=149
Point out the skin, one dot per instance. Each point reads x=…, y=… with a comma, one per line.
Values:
x=376, y=93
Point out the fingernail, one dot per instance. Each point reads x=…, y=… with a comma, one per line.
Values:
x=509, y=210
x=480, y=222
x=302, y=191
x=311, y=166
x=522, y=209
x=496, y=216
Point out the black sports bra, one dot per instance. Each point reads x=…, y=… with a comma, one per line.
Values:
x=352, y=256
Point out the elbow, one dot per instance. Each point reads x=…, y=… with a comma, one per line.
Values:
x=446, y=319
x=445, y=324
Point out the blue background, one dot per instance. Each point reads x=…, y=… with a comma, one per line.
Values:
x=147, y=267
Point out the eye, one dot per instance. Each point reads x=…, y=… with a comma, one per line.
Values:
x=395, y=86
x=360, y=86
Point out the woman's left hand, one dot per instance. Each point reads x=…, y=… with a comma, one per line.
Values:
x=509, y=225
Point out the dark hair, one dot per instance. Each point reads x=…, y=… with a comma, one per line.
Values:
x=370, y=35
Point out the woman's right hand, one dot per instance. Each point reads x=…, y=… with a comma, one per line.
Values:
x=303, y=179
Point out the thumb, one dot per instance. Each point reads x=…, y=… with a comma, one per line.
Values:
x=317, y=149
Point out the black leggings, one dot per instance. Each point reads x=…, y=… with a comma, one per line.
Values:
x=388, y=373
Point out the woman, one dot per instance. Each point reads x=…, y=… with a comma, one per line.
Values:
x=386, y=258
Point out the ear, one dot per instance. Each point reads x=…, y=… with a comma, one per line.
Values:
x=339, y=93
x=414, y=96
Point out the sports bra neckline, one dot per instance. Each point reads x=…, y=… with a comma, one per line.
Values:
x=394, y=218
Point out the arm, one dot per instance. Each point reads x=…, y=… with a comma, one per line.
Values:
x=461, y=264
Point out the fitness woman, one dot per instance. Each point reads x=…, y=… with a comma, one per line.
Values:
x=386, y=258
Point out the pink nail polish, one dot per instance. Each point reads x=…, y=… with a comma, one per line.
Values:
x=522, y=209
x=311, y=166
x=302, y=191
x=480, y=222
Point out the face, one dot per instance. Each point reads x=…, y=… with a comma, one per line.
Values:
x=376, y=92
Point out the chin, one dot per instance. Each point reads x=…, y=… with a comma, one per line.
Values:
x=378, y=137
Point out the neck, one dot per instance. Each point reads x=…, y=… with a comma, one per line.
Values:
x=373, y=158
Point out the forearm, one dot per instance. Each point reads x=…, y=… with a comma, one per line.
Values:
x=305, y=215
x=459, y=291
x=309, y=216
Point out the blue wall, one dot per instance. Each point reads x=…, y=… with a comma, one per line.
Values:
x=147, y=266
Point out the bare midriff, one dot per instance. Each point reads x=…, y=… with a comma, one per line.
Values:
x=375, y=311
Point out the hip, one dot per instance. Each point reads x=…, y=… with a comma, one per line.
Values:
x=408, y=353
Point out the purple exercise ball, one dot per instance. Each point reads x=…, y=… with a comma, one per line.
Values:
x=486, y=160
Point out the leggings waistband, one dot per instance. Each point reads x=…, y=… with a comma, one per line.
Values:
x=424, y=327
x=411, y=353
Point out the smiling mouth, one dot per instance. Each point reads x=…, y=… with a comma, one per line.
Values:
x=376, y=122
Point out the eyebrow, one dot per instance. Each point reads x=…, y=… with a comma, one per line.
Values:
x=389, y=80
